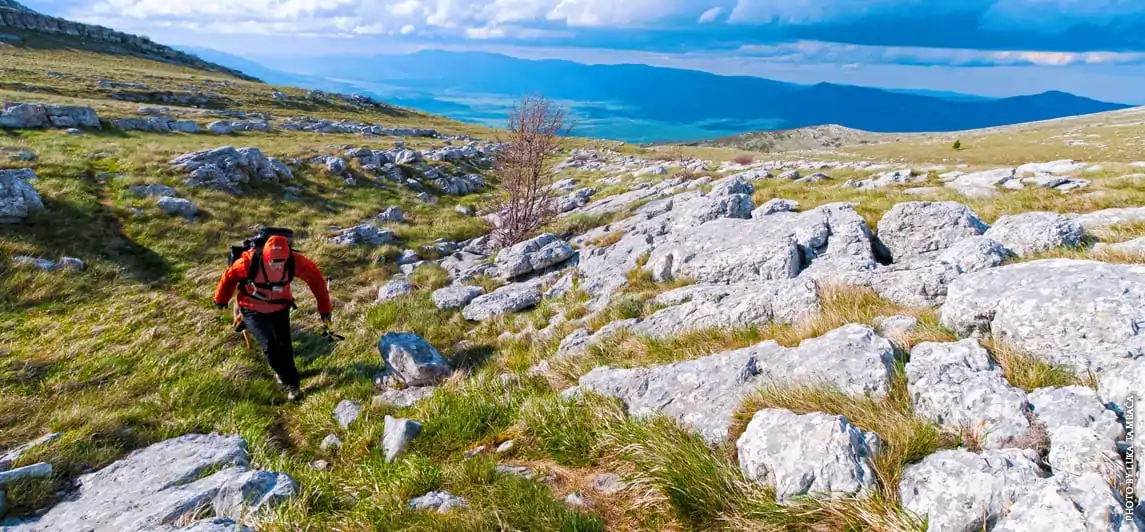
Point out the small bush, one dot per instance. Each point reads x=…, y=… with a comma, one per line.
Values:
x=957, y=145
x=743, y=159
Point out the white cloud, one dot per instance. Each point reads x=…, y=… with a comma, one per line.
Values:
x=826, y=52
x=710, y=15
x=408, y=29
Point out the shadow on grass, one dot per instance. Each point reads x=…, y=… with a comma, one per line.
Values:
x=472, y=358
x=88, y=232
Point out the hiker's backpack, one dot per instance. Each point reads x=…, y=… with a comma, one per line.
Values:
x=256, y=243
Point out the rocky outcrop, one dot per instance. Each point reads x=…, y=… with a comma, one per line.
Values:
x=18, y=199
x=411, y=360
x=533, y=255
x=227, y=168
x=1036, y=232
x=38, y=116
x=505, y=300
x=455, y=297
x=704, y=393
x=164, y=486
x=915, y=228
x=1078, y=313
x=21, y=18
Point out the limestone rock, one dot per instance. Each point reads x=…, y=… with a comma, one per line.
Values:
x=412, y=360
x=363, y=235
x=975, y=254
x=1069, y=504
x=1082, y=314
x=532, y=255
x=814, y=454
x=505, y=300
x=1035, y=232
x=330, y=443
x=959, y=491
x=789, y=301
x=397, y=434
x=704, y=393
x=1131, y=247
x=177, y=207
x=456, y=296
x=775, y=205
x=17, y=197
x=163, y=484
x=154, y=191
x=395, y=289
x=346, y=413
x=914, y=228
x=1074, y=406
x=438, y=501
x=957, y=385
x=405, y=397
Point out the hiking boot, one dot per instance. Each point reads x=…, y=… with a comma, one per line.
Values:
x=293, y=394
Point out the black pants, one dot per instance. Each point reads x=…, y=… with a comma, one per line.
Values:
x=273, y=333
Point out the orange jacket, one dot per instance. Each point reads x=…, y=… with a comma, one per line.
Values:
x=236, y=277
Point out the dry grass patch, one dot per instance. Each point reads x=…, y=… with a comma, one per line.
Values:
x=1029, y=372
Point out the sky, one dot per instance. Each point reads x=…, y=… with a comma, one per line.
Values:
x=1094, y=48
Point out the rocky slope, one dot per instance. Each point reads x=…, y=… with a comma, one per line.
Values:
x=790, y=344
x=19, y=24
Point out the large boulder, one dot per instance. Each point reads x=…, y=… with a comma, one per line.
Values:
x=915, y=228
x=821, y=455
x=17, y=197
x=395, y=289
x=703, y=394
x=959, y=491
x=1078, y=313
x=166, y=485
x=958, y=386
x=1035, y=232
x=412, y=360
x=227, y=168
x=177, y=207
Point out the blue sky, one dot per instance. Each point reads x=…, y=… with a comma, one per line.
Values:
x=1094, y=48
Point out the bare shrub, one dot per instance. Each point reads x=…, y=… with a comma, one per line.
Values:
x=535, y=129
x=743, y=159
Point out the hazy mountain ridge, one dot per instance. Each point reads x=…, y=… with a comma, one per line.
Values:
x=611, y=97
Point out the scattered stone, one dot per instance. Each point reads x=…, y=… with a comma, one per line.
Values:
x=398, y=433
x=177, y=207
x=404, y=398
x=575, y=499
x=363, y=235
x=790, y=175
x=320, y=465
x=1074, y=406
x=463, y=210
x=227, y=169
x=609, y=483
x=395, y=289
x=826, y=455
x=392, y=214
x=957, y=385
x=1035, y=232
x=412, y=360
x=962, y=491
x=43, y=264
x=505, y=447
x=456, y=296
x=154, y=191
x=71, y=264
x=475, y=451
x=439, y=501
x=10, y=457
x=39, y=116
x=505, y=300
x=517, y=471
x=814, y=178
x=346, y=413
x=330, y=443
x=975, y=254
x=18, y=199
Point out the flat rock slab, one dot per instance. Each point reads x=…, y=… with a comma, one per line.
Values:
x=164, y=484
x=1035, y=232
x=455, y=297
x=1082, y=314
x=726, y=306
x=703, y=394
x=814, y=454
x=959, y=491
x=1074, y=406
x=1069, y=504
x=918, y=227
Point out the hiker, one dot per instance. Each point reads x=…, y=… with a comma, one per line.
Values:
x=264, y=301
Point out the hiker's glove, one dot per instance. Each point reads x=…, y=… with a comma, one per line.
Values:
x=221, y=305
x=326, y=319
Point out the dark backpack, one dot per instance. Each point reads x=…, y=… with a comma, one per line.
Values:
x=256, y=243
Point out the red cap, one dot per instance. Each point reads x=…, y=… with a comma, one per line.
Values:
x=276, y=248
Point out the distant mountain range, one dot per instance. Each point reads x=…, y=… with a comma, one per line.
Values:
x=641, y=103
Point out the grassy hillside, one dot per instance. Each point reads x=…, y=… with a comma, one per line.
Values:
x=130, y=351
